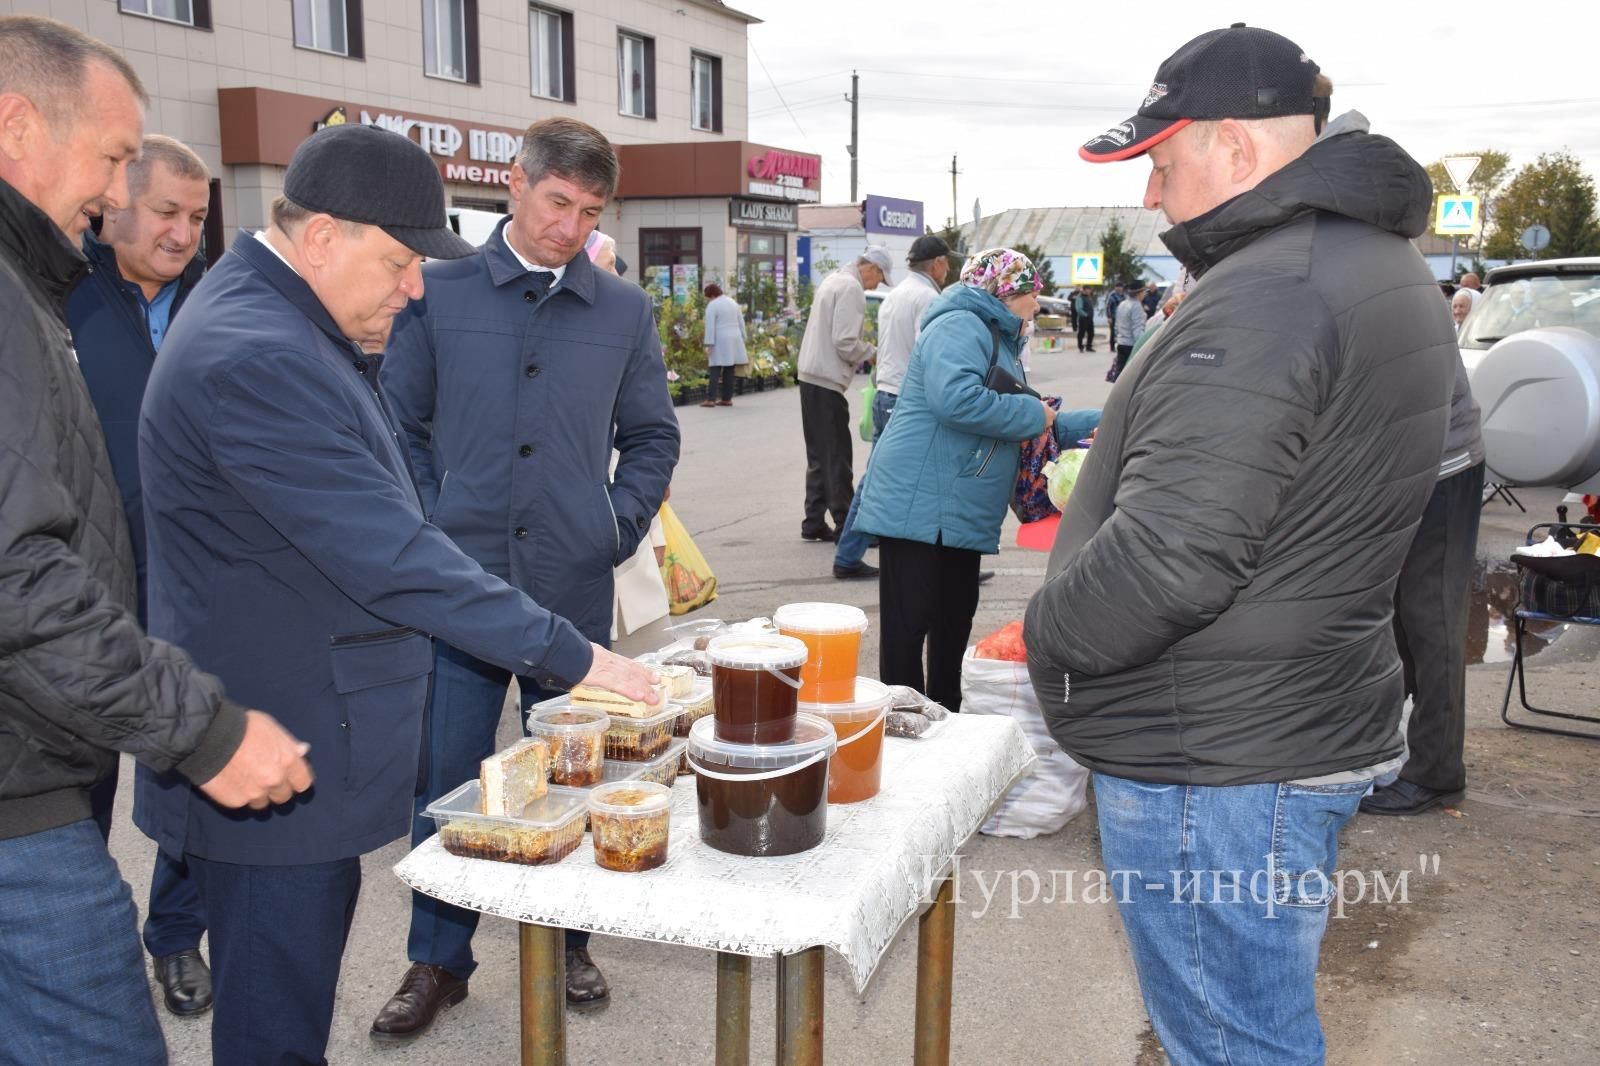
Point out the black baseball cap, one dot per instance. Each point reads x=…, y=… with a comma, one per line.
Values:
x=361, y=173
x=1239, y=72
x=927, y=247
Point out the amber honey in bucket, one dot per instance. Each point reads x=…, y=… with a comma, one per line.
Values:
x=832, y=636
x=754, y=687
x=855, y=772
x=762, y=799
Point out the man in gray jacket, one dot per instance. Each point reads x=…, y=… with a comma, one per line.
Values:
x=1218, y=601
x=830, y=351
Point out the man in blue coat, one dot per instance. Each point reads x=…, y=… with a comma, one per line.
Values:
x=141, y=271
x=515, y=379
x=290, y=555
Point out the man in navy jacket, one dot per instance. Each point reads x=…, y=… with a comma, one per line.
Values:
x=289, y=554
x=141, y=270
x=515, y=378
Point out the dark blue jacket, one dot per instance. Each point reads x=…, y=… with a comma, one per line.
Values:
x=290, y=557
x=512, y=409
x=115, y=354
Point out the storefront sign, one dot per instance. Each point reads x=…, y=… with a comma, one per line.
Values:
x=785, y=175
x=761, y=214
x=885, y=214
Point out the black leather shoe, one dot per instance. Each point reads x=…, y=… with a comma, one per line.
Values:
x=847, y=573
x=1407, y=797
x=985, y=576
x=586, y=985
x=828, y=535
x=185, y=981
x=424, y=992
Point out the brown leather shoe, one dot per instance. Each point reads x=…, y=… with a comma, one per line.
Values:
x=424, y=992
x=586, y=985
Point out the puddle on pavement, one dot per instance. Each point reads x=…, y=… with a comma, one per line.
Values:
x=1495, y=589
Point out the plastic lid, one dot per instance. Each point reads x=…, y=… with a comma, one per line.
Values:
x=555, y=808
x=821, y=618
x=742, y=652
x=811, y=735
x=870, y=699
x=568, y=719
x=629, y=798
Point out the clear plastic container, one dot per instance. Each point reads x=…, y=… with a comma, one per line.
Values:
x=755, y=683
x=629, y=821
x=640, y=739
x=576, y=738
x=856, y=770
x=548, y=831
x=693, y=707
x=832, y=635
x=762, y=799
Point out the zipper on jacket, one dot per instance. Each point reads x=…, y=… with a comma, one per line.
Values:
x=985, y=464
x=371, y=638
x=616, y=530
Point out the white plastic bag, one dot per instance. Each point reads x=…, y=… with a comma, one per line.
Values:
x=1058, y=789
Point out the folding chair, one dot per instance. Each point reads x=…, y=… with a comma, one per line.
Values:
x=1553, y=590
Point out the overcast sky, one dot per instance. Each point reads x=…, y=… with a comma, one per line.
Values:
x=1012, y=90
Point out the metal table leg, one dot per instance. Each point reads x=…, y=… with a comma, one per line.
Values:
x=800, y=1008
x=936, y=946
x=544, y=995
x=733, y=1009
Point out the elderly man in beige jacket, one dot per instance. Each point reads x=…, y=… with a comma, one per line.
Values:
x=829, y=354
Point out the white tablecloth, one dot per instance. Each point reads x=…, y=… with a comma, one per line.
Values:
x=872, y=872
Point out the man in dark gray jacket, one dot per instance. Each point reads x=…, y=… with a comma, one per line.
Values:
x=1219, y=598
x=79, y=681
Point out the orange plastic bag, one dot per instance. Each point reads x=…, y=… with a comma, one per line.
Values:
x=1004, y=644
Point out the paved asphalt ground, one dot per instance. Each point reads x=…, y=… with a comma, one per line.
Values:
x=1493, y=959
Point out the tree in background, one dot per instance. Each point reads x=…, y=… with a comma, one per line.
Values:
x=1118, y=262
x=1047, y=273
x=1552, y=191
x=1493, y=168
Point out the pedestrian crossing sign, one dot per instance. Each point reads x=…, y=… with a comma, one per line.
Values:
x=1086, y=269
x=1456, y=216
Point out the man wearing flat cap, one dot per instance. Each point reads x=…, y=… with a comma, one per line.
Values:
x=289, y=554
x=1213, y=639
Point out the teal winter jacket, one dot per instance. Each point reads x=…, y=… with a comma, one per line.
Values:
x=946, y=465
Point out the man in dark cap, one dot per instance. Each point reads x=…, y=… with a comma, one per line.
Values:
x=290, y=555
x=1218, y=600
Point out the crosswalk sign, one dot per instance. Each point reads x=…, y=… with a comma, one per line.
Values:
x=1456, y=216
x=1086, y=269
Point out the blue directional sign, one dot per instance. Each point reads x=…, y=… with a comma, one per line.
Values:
x=1456, y=216
x=1086, y=269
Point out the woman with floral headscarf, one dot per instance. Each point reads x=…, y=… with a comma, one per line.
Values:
x=942, y=474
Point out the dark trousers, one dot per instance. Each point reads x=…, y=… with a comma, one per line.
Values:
x=1430, y=629
x=463, y=714
x=277, y=938
x=1124, y=353
x=1085, y=334
x=928, y=593
x=725, y=375
x=830, y=460
x=175, y=918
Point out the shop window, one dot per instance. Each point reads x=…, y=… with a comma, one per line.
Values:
x=450, y=39
x=329, y=26
x=636, y=75
x=550, y=50
x=705, y=92
x=196, y=13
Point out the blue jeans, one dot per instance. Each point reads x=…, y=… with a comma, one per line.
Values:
x=852, y=545
x=69, y=949
x=1224, y=894
x=463, y=714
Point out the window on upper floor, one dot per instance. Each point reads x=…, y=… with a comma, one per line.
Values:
x=329, y=26
x=195, y=13
x=636, y=75
x=450, y=39
x=705, y=92
x=550, y=47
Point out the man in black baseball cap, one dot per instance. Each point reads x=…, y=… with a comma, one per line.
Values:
x=289, y=554
x=1236, y=701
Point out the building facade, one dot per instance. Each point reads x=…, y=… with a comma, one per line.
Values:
x=243, y=83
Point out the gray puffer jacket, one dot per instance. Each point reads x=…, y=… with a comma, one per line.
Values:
x=1220, y=591
x=79, y=681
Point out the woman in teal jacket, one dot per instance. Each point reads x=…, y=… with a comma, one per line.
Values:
x=943, y=472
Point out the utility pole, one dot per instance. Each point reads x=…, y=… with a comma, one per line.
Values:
x=955, y=217
x=855, y=100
